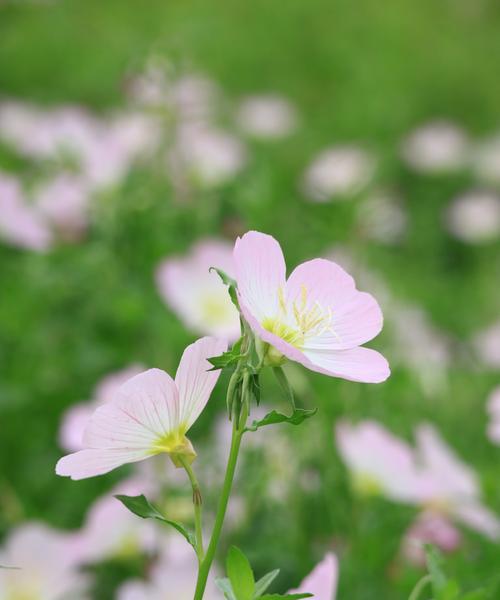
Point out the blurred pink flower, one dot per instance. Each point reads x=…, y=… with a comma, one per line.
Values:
x=429, y=528
x=196, y=294
x=322, y=581
x=486, y=160
x=317, y=317
x=193, y=98
x=337, y=173
x=436, y=147
x=452, y=487
x=493, y=409
x=487, y=345
x=77, y=416
x=379, y=462
x=46, y=565
x=474, y=217
x=150, y=414
x=173, y=577
x=382, y=218
x=266, y=116
x=20, y=224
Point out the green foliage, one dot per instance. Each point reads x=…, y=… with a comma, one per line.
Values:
x=142, y=507
x=298, y=416
x=228, y=358
x=231, y=285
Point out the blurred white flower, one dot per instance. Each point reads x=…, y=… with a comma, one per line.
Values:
x=474, y=217
x=338, y=172
x=46, y=565
x=379, y=463
x=204, y=156
x=149, y=88
x=438, y=146
x=64, y=201
x=193, y=98
x=77, y=416
x=486, y=160
x=196, y=294
x=382, y=218
x=487, y=345
x=493, y=410
x=20, y=223
x=266, y=116
x=453, y=488
x=173, y=577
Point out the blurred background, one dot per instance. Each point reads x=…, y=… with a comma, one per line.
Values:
x=136, y=143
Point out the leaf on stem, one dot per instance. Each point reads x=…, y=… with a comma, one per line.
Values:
x=285, y=384
x=226, y=359
x=264, y=582
x=142, y=507
x=296, y=418
x=225, y=587
x=240, y=574
x=232, y=286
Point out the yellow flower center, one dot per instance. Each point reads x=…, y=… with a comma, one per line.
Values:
x=176, y=445
x=365, y=484
x=216, y=309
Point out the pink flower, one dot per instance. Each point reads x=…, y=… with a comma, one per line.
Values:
x=77, y=416
x=493, y=408
x=46, y=565
x=379, y=462
x=452, y=486
x=20, y=223
x=267, y=116
x=317, y=317
x=197, y=294
x=322, y=581
x=487, y=345
x=429, y=527
x=150, y=414
x=474, y=217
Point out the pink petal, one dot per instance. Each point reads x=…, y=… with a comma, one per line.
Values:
x=194, y=380
x=356, y=317
x=322, y=581
x=92, y=462
x=260, y=272
x=479, y=518
x=357, y=364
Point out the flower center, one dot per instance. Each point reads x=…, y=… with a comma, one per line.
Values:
x=176, y=445
x=216, y=309
x=298, y=320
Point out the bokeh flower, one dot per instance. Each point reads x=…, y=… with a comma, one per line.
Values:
x=150, y=414
x=317, y=317
x=487, y=345
x=493, y=409
x=474, y=217
x=337, y=173
x=322, y=581
x=266, y=116
x=438, y=146
x=197, y=294
x=486, y=160
x=382, y=218
x=45, y=565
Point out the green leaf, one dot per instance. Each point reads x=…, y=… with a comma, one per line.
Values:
x=287, y=596
x=480, y=594
x=142, y=507
x=240, y=574
x=264, y=582
x=232, y=286
x=434, y=565
x=285, y=384
x=228, y=358
x=451, y=591
x=296, y=418
x=225, y=587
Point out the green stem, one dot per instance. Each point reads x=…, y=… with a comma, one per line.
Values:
x=417, y=590
x=197, y=503
x=221, y=509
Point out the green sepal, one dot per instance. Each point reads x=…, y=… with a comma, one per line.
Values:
x=225, y=587
x=264, y=582
x=142, y=507
x=240, y=574
x=232, y=286
x=228, y=358
x=296, y=418
x=285, y=385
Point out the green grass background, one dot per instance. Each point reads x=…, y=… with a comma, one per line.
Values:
x=362, y=71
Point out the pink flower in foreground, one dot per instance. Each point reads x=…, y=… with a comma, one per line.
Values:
x=493, y=409
x=77, y=416
x=452, y=486
x=379, y=462
x=46, y=565
x=322, y=581
x=317, y=317
x=197, y=294
x=150, y=414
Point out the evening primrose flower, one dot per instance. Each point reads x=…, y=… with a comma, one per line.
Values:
x=317, y=317
x=322, y=581
x=150, y=414
x=195, y=293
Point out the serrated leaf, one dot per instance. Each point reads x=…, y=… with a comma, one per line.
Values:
x=225, y=587
x=434, y=565
x=264, y=582
x=296, y=418
x=232, y=286
x=240, y=574
x=228, y=358
x=142, y=507
x=287, y=596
